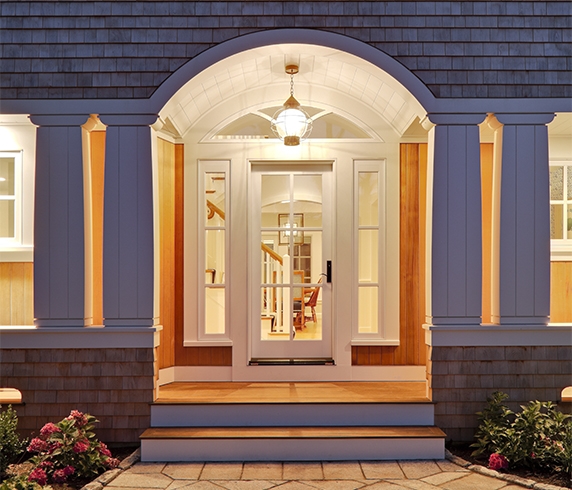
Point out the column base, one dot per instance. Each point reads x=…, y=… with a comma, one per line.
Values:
x=520, y=320
x=68, y=322
x=130, y=322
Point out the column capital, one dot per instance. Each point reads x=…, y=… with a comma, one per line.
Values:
x=128, y=119
x=61, y=120
x=453, y=119
x=525, y=119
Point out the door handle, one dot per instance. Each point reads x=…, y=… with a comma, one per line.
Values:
x=328, y=271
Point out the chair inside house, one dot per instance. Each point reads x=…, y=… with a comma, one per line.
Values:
x=309, y=299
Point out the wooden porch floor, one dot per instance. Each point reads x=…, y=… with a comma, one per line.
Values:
x=294, y=392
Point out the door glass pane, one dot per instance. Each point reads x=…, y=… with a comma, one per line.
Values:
x=274, y=324
x=6, y=219
x=215, y=190
x=368, y=199
x=214, y=310
x=556, y=211
x=308, y=199
x=368, y=255
x=7, y=178
x=214, y=256
x=368, y=307
x=272, y=260
x=556, y=182
x=307, y=314
x=569, y=179
x=275, y=199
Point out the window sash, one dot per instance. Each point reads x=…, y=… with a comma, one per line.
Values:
x=16, y=197
x=213, y=311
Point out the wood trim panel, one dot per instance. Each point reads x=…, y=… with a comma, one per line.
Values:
x=97, y=168
x=487, y=209
x=561, y=292
x=166, y=185
x=16, y=293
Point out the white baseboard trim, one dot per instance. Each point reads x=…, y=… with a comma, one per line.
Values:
x=389, y=373
x=280, y=373
x=166, y=376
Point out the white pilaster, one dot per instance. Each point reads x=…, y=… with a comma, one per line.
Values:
x=454, y=243
x=521, y=220
x=128, y=262
x=59, y=264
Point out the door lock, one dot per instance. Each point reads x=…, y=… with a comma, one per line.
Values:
x=328, y=271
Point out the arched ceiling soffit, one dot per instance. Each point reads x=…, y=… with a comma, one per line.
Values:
x=328, y=78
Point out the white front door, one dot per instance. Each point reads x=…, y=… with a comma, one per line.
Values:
x=291, y=245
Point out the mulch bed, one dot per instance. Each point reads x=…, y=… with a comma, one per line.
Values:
x=542, y=476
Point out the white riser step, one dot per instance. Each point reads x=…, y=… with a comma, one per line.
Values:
x=292, y=414
x=294, y=445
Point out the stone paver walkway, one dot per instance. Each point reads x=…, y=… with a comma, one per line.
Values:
x=371, y=475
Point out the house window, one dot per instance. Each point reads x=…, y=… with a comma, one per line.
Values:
x=561, y=208
x=213, y=250
x=10, y=198
x=369, y=241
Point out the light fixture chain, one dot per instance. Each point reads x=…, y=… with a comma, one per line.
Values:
x=292, y=85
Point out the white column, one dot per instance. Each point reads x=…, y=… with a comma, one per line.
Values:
x=454, y=243
x=59, y=265
x=521, y=220
x=128, y=260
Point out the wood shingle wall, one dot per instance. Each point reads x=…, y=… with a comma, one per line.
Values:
x=126, y=49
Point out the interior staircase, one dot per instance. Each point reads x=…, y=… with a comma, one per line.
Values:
x=294, y=429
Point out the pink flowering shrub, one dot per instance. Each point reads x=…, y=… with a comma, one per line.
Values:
x=69, y=449
x=498, y=462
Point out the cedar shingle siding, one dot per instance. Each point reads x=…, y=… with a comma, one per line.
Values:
x=115, y=49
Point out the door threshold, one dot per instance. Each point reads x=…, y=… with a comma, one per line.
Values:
x=320, y=361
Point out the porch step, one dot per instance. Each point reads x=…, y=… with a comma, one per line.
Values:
x=291, y=414
x=291, y=443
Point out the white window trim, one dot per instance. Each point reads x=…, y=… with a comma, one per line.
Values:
x=223, y=167
x=388, y=329
x=561, y=248
x=15, y=242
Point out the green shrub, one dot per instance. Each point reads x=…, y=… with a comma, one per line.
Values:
x=538, y=436
x=11, y=446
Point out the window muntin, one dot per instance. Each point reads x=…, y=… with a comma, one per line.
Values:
x=369, y=236
x=214, y=253
x=561, y=206
x=10, y=198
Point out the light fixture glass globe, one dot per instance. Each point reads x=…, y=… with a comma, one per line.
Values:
x=291, y=125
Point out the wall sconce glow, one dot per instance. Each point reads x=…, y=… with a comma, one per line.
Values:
x=291, y=123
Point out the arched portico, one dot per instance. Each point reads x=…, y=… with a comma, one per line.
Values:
x=454, y=243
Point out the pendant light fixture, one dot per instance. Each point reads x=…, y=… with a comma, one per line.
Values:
x=291, y=123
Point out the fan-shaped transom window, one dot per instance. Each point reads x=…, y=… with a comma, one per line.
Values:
x=256, y=126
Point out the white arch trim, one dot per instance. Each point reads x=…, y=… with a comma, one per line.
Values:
x=293, y=36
